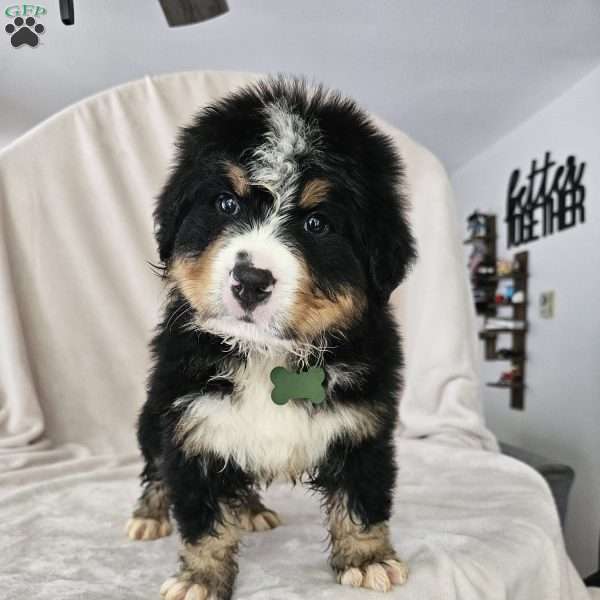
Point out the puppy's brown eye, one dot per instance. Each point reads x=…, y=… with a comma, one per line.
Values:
x=228, y=204
x=316, y=224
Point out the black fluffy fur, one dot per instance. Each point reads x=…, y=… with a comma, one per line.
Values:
x=370, y=249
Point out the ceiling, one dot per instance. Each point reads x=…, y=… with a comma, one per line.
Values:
x=456, y=75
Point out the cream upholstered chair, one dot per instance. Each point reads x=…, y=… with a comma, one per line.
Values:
x=77, y=306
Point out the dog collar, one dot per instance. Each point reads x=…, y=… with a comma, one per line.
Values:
x=302, y=385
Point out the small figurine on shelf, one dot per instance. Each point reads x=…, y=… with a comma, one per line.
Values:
x=492, y=324
x=477, y=257
x=485, y=269
x=504, y=294
x=518, y=297
x=516, y=267
x=504, y=267
x=511, y=376
x=477, y=225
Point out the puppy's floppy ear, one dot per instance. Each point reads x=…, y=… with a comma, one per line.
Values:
x=169, y=212
x=391, y=249
x=180, y=189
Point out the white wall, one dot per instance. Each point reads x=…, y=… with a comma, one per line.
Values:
x=562, y=414
x=445, y=72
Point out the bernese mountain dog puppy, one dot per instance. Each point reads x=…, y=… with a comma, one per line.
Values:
x=282, y=233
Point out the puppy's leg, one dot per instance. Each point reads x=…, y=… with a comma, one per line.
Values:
x=206, y=496
x=255, y=516
x=362, y=555
x=208, y=565
x=359, y=500
x=150, y=518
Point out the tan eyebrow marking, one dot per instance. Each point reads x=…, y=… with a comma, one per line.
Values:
x=238, y=178
x=314, y=191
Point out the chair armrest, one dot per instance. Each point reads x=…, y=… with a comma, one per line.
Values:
x=558, y=476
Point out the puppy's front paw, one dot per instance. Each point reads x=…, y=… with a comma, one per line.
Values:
x=262, y=520
x=147, y=529
x=378, y=576
x=183, y=588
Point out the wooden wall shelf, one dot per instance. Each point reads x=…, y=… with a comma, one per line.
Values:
x=485, y=285
x=479, y=238
x=491, y=278
x=510, y=386
x=492, y=333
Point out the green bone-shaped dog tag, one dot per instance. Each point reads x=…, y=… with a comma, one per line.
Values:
x=306, y=385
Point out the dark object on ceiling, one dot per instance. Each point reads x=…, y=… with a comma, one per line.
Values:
x=67, y=14
x=187, y=12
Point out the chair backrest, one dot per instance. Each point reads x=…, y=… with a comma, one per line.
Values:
x=78, y=301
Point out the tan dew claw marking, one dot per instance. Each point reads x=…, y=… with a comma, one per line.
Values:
x=177, y=589
x=380, y=577
x=260, y=521
x=147, y=529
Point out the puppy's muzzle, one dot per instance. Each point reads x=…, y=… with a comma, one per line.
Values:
x=251, y=286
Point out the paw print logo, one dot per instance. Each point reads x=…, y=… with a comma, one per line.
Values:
x=24, y=32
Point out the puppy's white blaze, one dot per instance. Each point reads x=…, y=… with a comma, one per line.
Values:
x=276, y=160
x=260, y=436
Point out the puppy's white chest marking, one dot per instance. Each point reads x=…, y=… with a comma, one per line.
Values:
x=259, y=435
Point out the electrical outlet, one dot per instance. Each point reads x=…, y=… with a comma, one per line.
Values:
x=547, y=305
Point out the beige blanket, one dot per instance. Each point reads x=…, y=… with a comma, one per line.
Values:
x=77, y=306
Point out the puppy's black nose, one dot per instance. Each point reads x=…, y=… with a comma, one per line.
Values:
x=251, y=285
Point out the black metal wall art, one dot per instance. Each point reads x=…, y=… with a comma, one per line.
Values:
x=549, y=199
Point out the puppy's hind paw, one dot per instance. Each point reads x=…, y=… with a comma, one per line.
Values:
x=380, y=577
x=147, y=529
